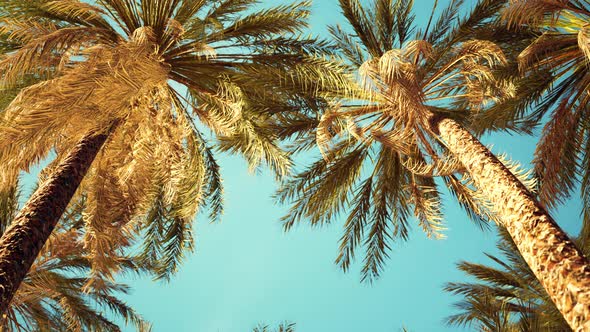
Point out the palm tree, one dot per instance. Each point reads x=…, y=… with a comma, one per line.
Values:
x=115, y=111
x=283, y=327
x=504, y=298
x=407, y=121
x=50, y=297
x=561, y=49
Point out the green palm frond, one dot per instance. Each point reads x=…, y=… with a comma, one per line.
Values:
x=165, y=240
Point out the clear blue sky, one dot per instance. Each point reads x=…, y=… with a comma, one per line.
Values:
x=246, y=270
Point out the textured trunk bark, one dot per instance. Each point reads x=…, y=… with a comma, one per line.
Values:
x=22, y=241
x=556, y=262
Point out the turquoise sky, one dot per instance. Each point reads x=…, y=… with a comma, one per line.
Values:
x=246, y=270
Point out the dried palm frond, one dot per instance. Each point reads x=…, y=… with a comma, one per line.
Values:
x=427, y=208
x=440, y=167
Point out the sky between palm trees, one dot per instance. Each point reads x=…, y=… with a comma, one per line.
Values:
x=246, y=270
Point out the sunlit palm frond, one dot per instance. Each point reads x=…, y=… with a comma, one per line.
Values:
x=535, y=12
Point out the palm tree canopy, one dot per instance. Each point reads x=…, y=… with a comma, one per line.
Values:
x=380, y=154
x=159, y=73
x=52, y=296
x=507, y=297
x=283, y=327
x=561, y=49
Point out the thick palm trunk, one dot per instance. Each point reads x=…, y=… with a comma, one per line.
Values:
x=22, y=241
x=555, y=261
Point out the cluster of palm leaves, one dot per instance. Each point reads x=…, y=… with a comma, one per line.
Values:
x=129, y=102
x=505, y=297
x=405, y=76
x=158, y=84
x=283, y=327
x=183, y=66
x=53, y=296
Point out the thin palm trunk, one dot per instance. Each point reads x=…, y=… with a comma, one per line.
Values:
x=554, y=259
x=21, y=243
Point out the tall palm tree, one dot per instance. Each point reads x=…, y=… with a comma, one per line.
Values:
x=505, y=297
x=133, y=84
x=407, y=121
x=562, y=50
x=50, y=297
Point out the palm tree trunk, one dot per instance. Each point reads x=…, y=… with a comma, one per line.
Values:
x=22, y=241
x=556, y=262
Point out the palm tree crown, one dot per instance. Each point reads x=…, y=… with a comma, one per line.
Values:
x=283, y=327
x=562, y=50
x=383, y=125
x=154, y=74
